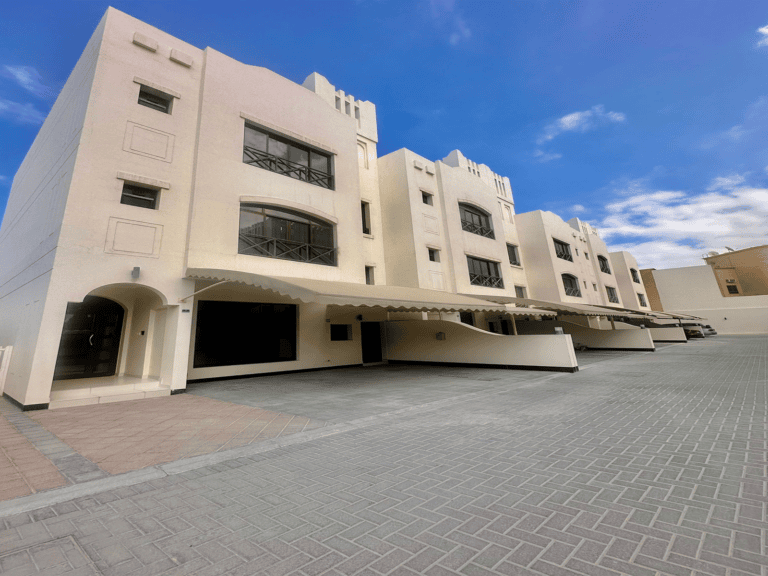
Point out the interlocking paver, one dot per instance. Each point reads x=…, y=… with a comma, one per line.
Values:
x=641, y=464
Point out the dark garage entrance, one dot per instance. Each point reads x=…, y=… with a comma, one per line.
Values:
x=370, y=333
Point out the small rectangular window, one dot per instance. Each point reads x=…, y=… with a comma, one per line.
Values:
x=594, y=286
x=586, y=255
x=369, y=275
x=514, y=255
x=140, y=196
x=434, y=255
x=732, y=289
x=521, y=292
x=426, y=198
x=155, y=99
x=341, y=332
x=365, y=208
x=641, y=297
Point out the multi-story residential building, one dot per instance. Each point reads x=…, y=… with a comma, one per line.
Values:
x=182, y=215
x=455, y=229
x=564, y=260
x=630, y=283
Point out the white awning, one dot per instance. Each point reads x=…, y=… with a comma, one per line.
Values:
x=559, y=307
x=392, y=298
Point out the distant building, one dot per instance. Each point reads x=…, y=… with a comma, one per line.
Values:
x=730, y=291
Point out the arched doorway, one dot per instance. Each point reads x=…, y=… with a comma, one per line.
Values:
x=90, y=339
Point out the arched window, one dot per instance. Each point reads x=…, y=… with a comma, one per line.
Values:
x=276, y=232
x=635, y=275
x=571, y=285
x=604, y=264
x=475, y=220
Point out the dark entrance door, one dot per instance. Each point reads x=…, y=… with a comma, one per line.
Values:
x=90, y=339
x=370, y=333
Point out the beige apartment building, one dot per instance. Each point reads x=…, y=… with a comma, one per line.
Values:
x=184, y=216
x=730, y=290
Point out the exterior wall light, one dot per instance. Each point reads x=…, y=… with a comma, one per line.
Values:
x=136, y=272
x=440, y=335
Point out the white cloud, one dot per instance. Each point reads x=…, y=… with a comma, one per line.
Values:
x=22, y=113
x=446, y=16
x=542, y=156
x=578, y=209
x=29, y=79
x=764, y=40
x=583, y=121
x=665, y=229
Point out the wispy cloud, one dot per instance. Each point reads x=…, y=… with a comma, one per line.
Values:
x=21, y=113
x=542, y=156
x=447, y=16
x=763, y=41
x=29, y=79
x=583, y=121
x=578, y=209
x=668, y=228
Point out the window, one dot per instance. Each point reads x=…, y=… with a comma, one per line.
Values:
x=594, y=286
x=635, y=276
x=476, y=221
x=484, y=273
x=612, y=295
x=341, y=332
x=233, y=333
x=577, y=251
x=276, y=153
x=604, y=264
x=155, y=99
x=434, y=255
x=571, y=285
x=365, y=208
x=141, y=196
x=521, y=292
x=426, y=198
x=641, y=297
x=467, y=318
x=732, y=289
x=563, y=250
x=586, y=254
x=369, y=275
x=275, y=232
x=514, y=255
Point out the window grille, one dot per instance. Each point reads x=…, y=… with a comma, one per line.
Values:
x=571, y=285
x=475, y=221
x=484, y=273
x=563, y=250
x=279, y=154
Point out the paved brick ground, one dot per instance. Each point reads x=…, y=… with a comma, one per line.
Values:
x=23, y=469
x=643, y=464
x=125, y=436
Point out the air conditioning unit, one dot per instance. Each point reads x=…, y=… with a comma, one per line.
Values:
x=730, y=281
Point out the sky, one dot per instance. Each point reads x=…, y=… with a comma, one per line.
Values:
x=647, y=119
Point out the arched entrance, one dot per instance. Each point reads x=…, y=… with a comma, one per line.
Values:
x=90, y=339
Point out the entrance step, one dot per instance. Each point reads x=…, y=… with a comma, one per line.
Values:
x=85, y=391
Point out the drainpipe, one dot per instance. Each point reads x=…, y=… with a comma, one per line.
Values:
x=613, y=324
x=514, y=326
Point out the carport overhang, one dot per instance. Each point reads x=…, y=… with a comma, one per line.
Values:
x=348, y=294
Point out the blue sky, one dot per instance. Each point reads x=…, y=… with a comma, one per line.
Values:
x=647, y=119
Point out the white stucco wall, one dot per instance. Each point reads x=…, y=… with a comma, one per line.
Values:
x=621, y=263
x=637, y=339
x=694, y=290
x=416, y=341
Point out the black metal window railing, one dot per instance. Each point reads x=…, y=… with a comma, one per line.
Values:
x=489, y=281
x=604, y=265
x=612, y=295
x=276, y=232
x=476, y=221
x=563, y=251
x=287, y=249
x=571, y=285
x=478, y=229
x=286, y=167
x=484, y=273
